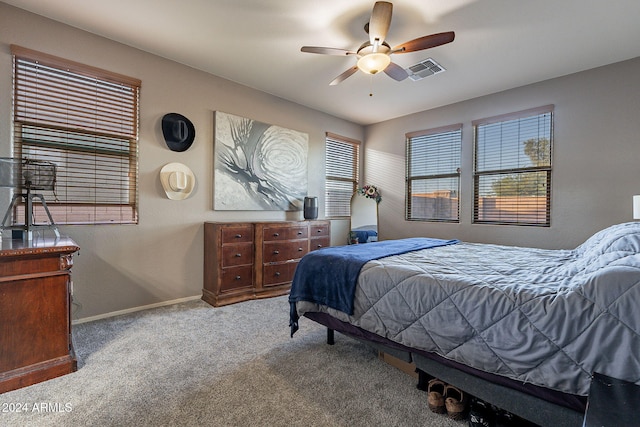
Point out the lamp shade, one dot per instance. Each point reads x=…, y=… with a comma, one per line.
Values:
x=636, y=207
x=373, y=63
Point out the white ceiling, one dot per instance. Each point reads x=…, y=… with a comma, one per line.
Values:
x=499, y=44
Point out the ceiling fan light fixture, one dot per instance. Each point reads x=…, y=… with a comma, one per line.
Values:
x=373, y=63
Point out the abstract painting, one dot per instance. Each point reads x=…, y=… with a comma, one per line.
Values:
x=258, y=166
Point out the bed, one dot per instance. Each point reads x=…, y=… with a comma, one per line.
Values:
x=522, y=328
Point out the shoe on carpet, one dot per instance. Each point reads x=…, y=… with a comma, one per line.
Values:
x=455, y=403
x=435, y=396
x=480, y=414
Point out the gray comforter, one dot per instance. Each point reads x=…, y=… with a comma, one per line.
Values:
x=547, y=317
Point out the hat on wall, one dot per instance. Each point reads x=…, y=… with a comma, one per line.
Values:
x=178, y=131
x=177, y=180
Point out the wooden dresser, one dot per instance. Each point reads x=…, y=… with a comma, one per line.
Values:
x=249, y=260
x=35, y=311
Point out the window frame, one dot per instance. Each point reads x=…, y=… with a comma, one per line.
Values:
x=520, y=116
x=448, y=132
x=343, y=203
x=101, y=126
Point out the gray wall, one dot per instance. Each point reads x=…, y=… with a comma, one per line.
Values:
x=161, y=258
x=596, y=158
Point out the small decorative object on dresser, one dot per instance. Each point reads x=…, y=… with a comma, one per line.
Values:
x=310, y=207
x=249, y=260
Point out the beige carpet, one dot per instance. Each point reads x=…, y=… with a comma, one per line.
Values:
x=191, y=364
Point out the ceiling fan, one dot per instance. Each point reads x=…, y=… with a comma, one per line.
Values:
x=375, y=55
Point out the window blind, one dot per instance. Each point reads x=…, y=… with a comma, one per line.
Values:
x=341, y=176
x=433, y=174
x=85, y=120
x=512, y=176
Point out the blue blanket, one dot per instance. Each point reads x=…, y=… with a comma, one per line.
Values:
x=363, y=235
x=328, y=276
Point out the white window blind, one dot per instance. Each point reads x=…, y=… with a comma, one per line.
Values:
x=512, y=177
x=433, y=174
x=85, y=120
x=341, y=176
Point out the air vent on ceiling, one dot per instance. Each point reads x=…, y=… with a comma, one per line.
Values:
x=423, y=69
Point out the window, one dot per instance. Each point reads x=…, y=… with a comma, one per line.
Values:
x=342, y=160
x=433, y=174
x=512, y=176
x=85, y=120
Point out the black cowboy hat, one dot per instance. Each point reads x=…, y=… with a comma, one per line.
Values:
x=178, y=131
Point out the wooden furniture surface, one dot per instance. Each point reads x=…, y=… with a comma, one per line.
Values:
x=249, y=260
x=35, y=311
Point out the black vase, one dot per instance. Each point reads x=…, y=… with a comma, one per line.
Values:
x=310, y=207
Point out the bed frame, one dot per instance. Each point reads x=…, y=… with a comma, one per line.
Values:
x=506, y=394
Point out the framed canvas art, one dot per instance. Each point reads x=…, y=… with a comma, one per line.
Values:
x=258, y=166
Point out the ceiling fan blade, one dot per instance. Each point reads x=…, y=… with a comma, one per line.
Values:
x=425, y=42
x=326, y=50
x=380, y=21
x=396, y=72
x=344, y=75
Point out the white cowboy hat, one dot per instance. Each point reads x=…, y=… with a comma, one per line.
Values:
x=177, y=180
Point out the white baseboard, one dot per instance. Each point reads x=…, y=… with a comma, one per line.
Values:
x=133, y=310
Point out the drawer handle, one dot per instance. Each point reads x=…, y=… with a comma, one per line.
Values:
x=238, y=236
x=299, y=233
x=299, y=249
x=319, y=246
x=277, y=274
x=238, y=277
x=276, y=252
x=319, y=230
x=276, y=234
x=238, y=255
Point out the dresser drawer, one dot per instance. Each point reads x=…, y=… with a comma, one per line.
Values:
x=236, y=278
x=240, y=234
x=319, y=230
x=284, y=251
x=238, y=254
x=277, y=274
x=278, y=233
x=319, y=243
x=43, y=263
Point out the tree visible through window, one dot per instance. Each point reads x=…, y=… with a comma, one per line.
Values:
x=513, y=168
